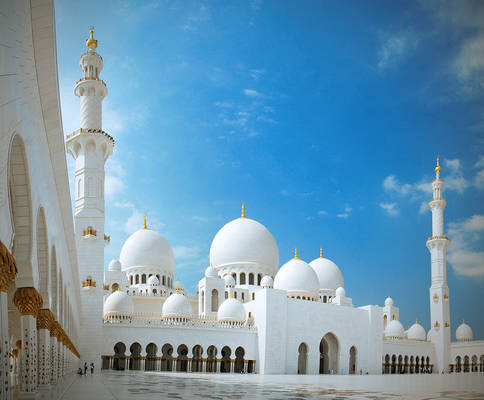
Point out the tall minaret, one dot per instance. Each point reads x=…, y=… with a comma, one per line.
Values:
x=439, y=292
x=90, y=147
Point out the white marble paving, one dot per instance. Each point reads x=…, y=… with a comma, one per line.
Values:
x=121, y=385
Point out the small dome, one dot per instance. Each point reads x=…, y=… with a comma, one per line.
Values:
x=329, y=275
x=231, y=310
x=394, y=329
x=147, y=248
x=114, y=265
x=244, y=241
x=416, y=332
x=341, y=292
x=177, y=305
x=229, y=281
x=388, y=302
x=429, y=335
x=296, y=277
x=463, y=333
x=211, y=272
x=118, y=304
x=153, y=281
x=267, y=282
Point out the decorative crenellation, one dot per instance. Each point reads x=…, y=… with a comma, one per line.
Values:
x=8, y=268
x=28, y=301
x=90, y=130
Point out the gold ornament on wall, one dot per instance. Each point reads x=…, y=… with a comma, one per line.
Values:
x=8, y=268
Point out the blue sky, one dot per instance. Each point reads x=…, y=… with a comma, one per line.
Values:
x=326, y=118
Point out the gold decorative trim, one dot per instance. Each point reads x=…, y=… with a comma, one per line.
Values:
x=96, y=131
x=8, y=268
x=45, y=319
x=89, y=231
x=88, y=282
x=28, y=301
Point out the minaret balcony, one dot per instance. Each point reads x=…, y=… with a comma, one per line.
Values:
x=89, y=234
x=91, y=131
x=91, y=78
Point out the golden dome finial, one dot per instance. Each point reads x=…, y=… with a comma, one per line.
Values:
x=144, y=222
x=295, y=254
x=177, y=289
x=416, y=320
x=91, y=42
x=394, y=318
x=231, y=294
x=437, y=168
x=243, y=209
x=320, y=251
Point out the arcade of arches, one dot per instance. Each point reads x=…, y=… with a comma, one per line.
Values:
x=398, y=364
x=180, y=359
x=468, y=364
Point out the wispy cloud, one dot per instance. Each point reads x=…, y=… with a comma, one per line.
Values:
x=252, y=93
x=114, y=183
x=464, y=259
x=257, y=73
x=395, y=48
x=136, y=220
x=186, y=252
x=390, y=208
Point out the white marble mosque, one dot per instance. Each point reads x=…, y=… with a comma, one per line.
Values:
x=251, y=313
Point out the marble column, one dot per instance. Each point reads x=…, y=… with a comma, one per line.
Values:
x=53, y=354
x=217, y=365
x=28, y=301
x=246, y=363
x=189, y=366
x=232, y=364
x=44, y=321
x=60, y=357
x=142, y=362
x=204, y=365
x=8, y=270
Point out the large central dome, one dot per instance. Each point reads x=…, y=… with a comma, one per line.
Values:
x=147, y=248
x=244, y=241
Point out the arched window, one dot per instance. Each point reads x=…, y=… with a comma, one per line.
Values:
x=251, y=278
x=214, y=300
x=203, y=301
x=226, y=294
x=243, y=297
x=143, y=278
x=235, y=294
x=325, y=299
x=158, y=277
x=234, y=275
x=137, y=279
x=259, y=278
x=163, y=280
x=242, y=278
x=131, y=279
x=253, y=295
x=384, y=322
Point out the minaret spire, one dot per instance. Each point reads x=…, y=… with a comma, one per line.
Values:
x=243, y=210
x=439, y=291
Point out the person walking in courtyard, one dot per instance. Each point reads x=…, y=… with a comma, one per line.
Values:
x=92, y=368
x=85, y=368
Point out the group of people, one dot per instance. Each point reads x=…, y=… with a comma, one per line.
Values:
x=91, y=366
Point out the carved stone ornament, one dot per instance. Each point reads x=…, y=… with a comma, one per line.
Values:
x=28, y=301
x=8, y=268
x=45, y=319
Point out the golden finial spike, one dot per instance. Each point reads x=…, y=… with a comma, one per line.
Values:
x=437, y=168
x=231, y=294
x=243, y=209
x=144, y=223
x=177, y=290
x=394, y=317
x=320, y=251
x=91, y=42
x=416, y=320
x=295, y=254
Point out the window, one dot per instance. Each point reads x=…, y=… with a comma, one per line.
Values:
x=226, y=294
x=163, y=281
x=235, y=295
x=143, y=278
x=131, y=279
x=259, y=278
x=242, y=278
x=251, y=278
x=214, y=300
x=243, y=296
x=253, y=295
x=137, y=279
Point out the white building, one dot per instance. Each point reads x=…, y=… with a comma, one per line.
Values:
x=59, y=308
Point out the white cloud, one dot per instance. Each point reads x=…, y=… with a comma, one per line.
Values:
x=394, y=49
x=113, y=185
x=479, y=179
x=464, y=259
x=252, y=93
x=136, y=221
x=186, y=252
x=391, y=183
x=454, y=165
x=390, y=208
x=348, y=209
x=199, y=218
x=253, y=134
x=284, y=192
x=424, y=207
x=480, y=162
x=343, y=215
x=469, y=63
x=124, y=204
x=322, y=212
x=257, y=73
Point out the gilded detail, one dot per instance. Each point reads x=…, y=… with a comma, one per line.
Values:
x=89, y=231
x=28, y=301
x=45, y=319
x=8, y=268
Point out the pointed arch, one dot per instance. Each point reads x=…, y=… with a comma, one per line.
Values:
x=43, y=256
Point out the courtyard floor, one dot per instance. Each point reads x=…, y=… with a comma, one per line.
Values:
x=121, y=385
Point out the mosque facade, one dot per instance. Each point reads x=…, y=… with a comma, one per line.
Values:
x=59, y=307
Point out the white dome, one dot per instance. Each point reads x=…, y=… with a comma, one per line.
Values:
x=394, y=329
x=177, y=306
x=297, y=278
x=244, y=241
x=118, y=304
x=229, y=280
x=388, y=302
x=329, y=275
x=416, y=332
x=231, y=310
x=267, y=282
x=147, y=248
x=153, y=281
x=211, y=272
x=341, y=292
x=463, y=333
x=114, y=265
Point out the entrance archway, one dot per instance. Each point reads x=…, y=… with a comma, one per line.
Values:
x=329, y=354
x=119, y=357
x=225, y=363
x=239, y=359
x=166, y=357
x=150, y=363
x=134, y=360
x=182, y=359
x=352, y=364
x=302, y=359
x=212, y=359
x=197, y=358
